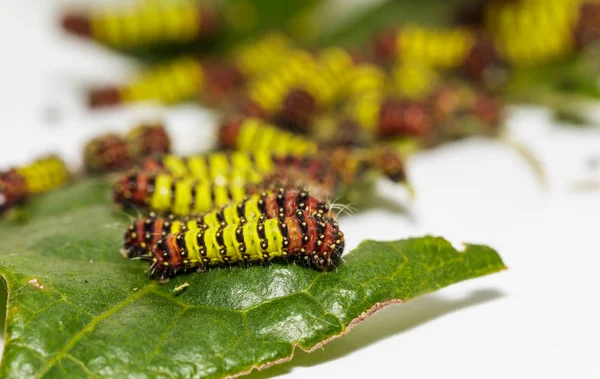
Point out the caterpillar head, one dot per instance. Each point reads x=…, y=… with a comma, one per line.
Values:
x=133, y=188
x=329, y=251
x=391, y=164
x=229, y=131
x=148, y=139
x=106, y=153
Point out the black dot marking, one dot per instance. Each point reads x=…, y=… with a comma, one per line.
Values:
x=241, y=209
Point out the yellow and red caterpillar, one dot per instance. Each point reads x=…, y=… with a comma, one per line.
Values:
x=255, y=135
x=13, y=189
x=44, y=174
x=111, y=152
x=171, y=82
x=142, y=235
x=236, y=164
x=186, y=77
x=314, y=240
x=300, y=87
x=180, y=196
x=390, y=116
x=535, y=31
x=151, y=23
x=449, y=49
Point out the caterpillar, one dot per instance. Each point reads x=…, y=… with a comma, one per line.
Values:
x=414, y=81
x=534, y=31
x=257, y=57
x=252, y=168
x=384, y=116
x=143, y=234
x=44, y=174
x=460, y=111
x=391, y=116
x=148, y=139
x=255, y=135
x=171, y=82
x=588, y=25
x=13, y=189
x=314, y=240
x=300, y=87
x=184, y=77
x=180, y=196
x=152, y=23
x=109, y=152
x=458, y=48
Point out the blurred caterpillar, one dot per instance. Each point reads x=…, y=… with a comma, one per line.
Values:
x=13, y=189
x=171, y=82
x=390, y=116
x=148, y=139
x=303, y=85
x=314, y=240
x=180, y=196
x=143, y=234
x=18, y=184
x=533, y=31
x=108, y=152
x=458, y=48
x=111, y=152
x=255, y=135
x=185, y=77
x=44, y=174
x=147, y=24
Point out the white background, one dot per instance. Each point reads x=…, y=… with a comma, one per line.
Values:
x=538, y=319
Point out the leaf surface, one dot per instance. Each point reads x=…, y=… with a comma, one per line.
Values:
x=76, y=308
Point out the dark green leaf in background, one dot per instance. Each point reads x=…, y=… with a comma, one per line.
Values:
x=76, y=308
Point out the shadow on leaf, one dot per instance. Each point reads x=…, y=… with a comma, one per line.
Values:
x=390, y=321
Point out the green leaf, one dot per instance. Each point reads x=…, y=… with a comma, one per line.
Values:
x=76, y=308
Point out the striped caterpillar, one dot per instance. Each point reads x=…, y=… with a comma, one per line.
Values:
x=314, y=240
x=384, y=116
x=180, y=196
x=153, y=23
x=171, y=82
x=255, y=135
x=44, y=174
x=111, y=152
x=249, y=168
x=108, y=152
x=300, y=87
x=185, y=77
x=148, y=139
x=533, y=31
x=143, y=234
x=452, y=49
